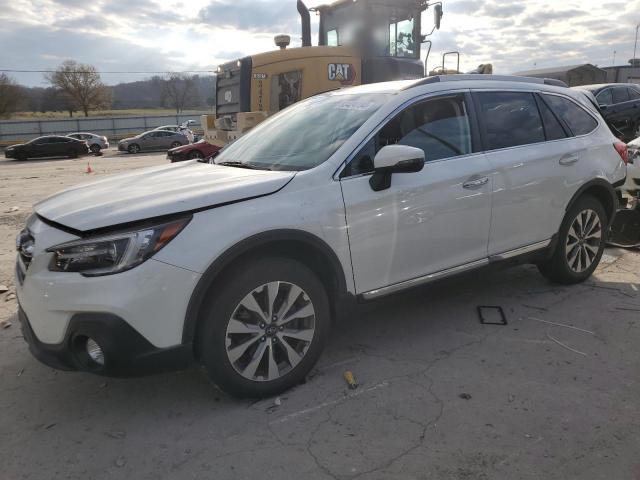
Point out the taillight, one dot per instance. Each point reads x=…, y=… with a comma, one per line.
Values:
x=622, y=150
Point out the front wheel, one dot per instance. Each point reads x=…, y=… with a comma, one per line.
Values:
x=581, y=243
x=265, y=328
x=95, y=148
x=176, y=145
x=195, y=155
x=134, y=148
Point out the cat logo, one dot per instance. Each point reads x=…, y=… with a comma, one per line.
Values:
x=228, y=96
x=342, y=72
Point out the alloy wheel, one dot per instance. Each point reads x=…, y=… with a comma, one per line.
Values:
x=270, y=331
x=583, y=241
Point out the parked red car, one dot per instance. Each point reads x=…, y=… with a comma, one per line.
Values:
x=193, y=151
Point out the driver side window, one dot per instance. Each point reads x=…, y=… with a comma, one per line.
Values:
x=438, y=126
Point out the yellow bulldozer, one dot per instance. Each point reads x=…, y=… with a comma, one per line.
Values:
x=359, y=42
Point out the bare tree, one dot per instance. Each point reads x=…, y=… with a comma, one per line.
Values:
x=11, y=95
x=178, y=91
x=82, y=84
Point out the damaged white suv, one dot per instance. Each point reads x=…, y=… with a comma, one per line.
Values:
x=351, y=195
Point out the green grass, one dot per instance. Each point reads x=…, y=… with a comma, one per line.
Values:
x=101, y=113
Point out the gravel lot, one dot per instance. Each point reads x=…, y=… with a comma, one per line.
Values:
x=552, y=395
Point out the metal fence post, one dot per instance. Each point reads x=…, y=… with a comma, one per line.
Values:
x=78, y=124
x=39, y=128
x=113, y=126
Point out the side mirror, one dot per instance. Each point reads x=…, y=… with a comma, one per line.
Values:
x=437, y=15
x=395, y=159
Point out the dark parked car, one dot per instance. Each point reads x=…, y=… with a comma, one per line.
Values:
x=49, y=146
x=153, y=140
x=193, y=151
x=620, y=105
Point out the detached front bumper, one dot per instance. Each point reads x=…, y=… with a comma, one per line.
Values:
x=126, y=352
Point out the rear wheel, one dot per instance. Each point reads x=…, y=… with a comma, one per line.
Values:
x=265, y=328
x=95, y=148
x=581, y=243
x=133, y=148
x=195, y=155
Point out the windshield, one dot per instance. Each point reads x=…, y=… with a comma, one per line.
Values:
x=304, y=135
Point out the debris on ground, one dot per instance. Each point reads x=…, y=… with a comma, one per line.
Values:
x=12, y=209
x=465, y=396
x=555, y=340
x=118, y=435
x=277, y=402
x=492, y=315
x=4, y=288
x=350, y=379
x=10, y=297
x=120, y=462
x=20, y=372
x=4, y=324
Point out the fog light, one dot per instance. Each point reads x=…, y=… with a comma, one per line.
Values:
x=94, y=351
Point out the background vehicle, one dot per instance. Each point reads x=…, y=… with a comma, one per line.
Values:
x=193, y=151
x=359, y=42
x=95, y=142
x=632, y=185
x=153, y=140
x=48, y=146
x=620, y=106
x=169, y=128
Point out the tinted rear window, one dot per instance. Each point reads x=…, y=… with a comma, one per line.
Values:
x=634, y=94
x=620, y=94
x=576, y=118
x=510, y=119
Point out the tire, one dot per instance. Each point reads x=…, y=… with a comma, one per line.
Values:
x=176, y=145
x=239, y=361
x=195, y=155
x=133, y=148
x=95, y=148
x=22, y=157
x=580, y=245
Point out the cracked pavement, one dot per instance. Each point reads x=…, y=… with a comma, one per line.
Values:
x=440, y=395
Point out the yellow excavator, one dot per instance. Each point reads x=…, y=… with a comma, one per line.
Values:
x=359, y=42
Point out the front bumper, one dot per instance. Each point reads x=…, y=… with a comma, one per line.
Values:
x=122, y=147
x=126, y=352
x=176, y=156
x=137, y=314
x=9, y=154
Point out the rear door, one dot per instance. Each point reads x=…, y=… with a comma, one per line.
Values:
x=426, y=222
x=620, y=112
x=531, y=161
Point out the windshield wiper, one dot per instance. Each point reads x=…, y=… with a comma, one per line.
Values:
x=242, y=165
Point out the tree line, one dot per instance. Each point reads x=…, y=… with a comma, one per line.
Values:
x=77, y=87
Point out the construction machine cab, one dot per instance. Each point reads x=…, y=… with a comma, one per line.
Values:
x=386, y=33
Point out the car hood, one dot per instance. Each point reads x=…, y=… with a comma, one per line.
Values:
x=155, y=192
x=17, y=145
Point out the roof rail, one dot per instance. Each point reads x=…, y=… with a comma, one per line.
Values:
x=489, y=78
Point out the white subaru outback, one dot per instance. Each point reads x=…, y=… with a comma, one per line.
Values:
x=241, y=265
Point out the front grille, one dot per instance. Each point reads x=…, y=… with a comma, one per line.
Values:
x=233, y=88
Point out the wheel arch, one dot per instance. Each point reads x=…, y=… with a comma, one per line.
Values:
x=299, y=245
x=603, y=191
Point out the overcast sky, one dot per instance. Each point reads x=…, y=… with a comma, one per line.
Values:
x=163, y=35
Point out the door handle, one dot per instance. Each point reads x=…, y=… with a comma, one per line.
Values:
x=475, y=183
x=569, y=160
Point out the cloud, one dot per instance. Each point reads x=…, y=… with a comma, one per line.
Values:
x=252, y=15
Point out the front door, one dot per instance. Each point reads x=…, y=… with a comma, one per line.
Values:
x=426, y=222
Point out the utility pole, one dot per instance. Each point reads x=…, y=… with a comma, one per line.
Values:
x=635, y=47
x=614, y=58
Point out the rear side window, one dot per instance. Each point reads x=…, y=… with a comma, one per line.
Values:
x=604, y=97
x=510, y=119
x=576, y=118
x=634, y=94
x=552, y=127
x=620, y=94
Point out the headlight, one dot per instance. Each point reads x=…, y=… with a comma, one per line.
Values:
x=109, y=254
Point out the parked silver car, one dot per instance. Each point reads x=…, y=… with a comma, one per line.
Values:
x=153, y=140
x=95, y=142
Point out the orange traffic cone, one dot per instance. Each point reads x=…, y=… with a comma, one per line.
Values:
x=89, y=169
